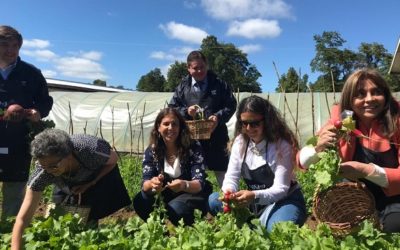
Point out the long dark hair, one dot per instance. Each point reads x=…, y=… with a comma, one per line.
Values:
x=351, y=88
x=182, y=142
x=275, y=127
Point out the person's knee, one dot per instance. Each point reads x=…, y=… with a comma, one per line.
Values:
x=286, y=213
x=143, y=204
x=214, y=204
x=177, y=210
x=391, y=223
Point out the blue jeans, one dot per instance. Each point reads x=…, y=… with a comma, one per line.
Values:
x=292, y=208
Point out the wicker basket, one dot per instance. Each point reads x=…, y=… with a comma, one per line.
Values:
x=63, y=208
x=200, y=129
x=344, y=206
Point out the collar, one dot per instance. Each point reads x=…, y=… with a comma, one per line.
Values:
x=259, y=148
x=205, y=81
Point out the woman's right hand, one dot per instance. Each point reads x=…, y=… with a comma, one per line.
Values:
x=156, y=183
x=327, y=137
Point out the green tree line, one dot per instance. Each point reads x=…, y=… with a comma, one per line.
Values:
x=332, y=60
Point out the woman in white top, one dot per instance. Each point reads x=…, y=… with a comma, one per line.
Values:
x=173, y=165
x=263, y=154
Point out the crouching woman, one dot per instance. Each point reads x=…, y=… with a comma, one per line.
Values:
x=77, y=165
x=173, y=166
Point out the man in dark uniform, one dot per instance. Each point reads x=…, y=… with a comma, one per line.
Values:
x=24, y=98
x=203, y=88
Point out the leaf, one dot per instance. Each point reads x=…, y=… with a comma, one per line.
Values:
x=312, y=140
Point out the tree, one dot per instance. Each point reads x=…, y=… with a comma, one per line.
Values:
x=176, y=72
x=153, y=81
x=291, y=82
x=99, y=82
x=334, y=63
x=231, y=65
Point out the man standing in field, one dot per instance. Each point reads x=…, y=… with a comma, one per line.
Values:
x=24, y=98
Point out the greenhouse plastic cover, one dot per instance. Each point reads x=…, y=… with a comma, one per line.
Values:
x=126, y=119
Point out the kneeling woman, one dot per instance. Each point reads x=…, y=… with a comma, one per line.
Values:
x=173, y=165
x=263, y=153
x=77, y=164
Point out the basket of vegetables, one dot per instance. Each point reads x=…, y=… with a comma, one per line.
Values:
x=200, y=129
x=343, y=206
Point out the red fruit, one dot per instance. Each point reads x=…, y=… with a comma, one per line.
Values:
x=357, y=133
x=227, y=209
x=227, y=196
x=338, y=124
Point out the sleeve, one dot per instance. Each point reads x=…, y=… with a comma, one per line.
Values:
x=233, y=173
x=229, y=104
x=43, y=102
x=39, y=179
x=149, y=168
x=178, y=101
x=197, y=168
x=307, y=155
x=283, y=157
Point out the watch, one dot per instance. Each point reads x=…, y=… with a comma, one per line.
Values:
x=187, y=185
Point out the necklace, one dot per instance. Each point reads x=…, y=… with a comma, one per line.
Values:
x=171, y=159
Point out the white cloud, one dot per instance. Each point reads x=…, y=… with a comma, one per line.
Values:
x=35, y=44
x=254, y=28
x=40, y=55
x=243, y=9
x=92, y=55
x=183, y=32
x=174, y=54
x=161, y=55
x=83, y=64
x=49, y=73
x=80, y=68
x=250, y=48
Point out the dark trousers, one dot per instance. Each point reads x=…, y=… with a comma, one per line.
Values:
x=178, y=206
x=390, y=218
x=106, y=197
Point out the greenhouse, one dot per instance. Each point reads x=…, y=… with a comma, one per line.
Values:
x=125, y=119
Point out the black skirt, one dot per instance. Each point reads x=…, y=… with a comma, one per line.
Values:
x=106, y=197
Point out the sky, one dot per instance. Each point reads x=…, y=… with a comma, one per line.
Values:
x=119, y=41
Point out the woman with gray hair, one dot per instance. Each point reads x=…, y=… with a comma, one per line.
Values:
x=76, y=164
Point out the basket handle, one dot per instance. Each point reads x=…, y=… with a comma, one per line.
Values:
x=67, y=197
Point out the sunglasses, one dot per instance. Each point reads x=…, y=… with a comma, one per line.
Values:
x=253, y=124
x=54, y=166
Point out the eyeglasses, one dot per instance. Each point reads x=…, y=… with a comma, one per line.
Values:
x=253, y=124
x=53, y=166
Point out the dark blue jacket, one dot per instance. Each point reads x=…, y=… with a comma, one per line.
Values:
x=27, y=87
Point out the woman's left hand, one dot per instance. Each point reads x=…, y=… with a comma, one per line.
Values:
x=243, y=197
x=354, y=170
x=80, y=189
x=177, y=185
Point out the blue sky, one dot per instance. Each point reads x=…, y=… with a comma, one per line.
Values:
x=121, y=40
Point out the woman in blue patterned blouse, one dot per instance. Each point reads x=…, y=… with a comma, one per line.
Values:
x=173, y=166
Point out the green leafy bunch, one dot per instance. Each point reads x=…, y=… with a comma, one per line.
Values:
x=325, y=171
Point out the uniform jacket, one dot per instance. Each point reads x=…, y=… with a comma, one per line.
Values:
x=217, y=100
x=27, y=87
